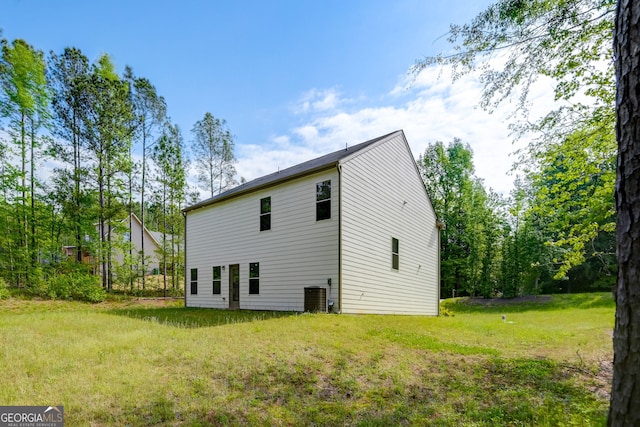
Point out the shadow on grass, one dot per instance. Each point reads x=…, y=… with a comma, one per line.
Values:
x=530, y=303
x=186, y=317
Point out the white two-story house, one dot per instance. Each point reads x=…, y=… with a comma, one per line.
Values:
x=352, y=231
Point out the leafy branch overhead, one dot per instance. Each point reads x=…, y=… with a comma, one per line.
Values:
x=514, y=42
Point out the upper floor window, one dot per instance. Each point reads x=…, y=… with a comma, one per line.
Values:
x=395, y=254
x=127, y=236
x=323, y=200
x=265, y=214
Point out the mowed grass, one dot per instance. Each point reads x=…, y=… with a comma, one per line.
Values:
x=150, y=363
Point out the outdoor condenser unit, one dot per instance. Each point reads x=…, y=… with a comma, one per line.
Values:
x=315, y=299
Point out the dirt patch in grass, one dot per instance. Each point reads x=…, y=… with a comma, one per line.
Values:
x=140, y=302
x=530, y=302
x=601, y=385
x=501, y=302
x=158, y=302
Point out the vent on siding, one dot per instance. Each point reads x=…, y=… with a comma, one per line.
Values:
x=315, y=299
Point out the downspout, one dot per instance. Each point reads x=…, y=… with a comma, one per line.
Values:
x=184, y=215
x=439, y=226
x=339, y=308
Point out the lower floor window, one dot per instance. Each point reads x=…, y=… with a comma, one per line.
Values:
x=194, y=281
x=254, y=278
x=217, y=280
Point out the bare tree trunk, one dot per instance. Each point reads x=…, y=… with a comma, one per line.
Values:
x=144, y=170
x=23, y=203
x=109, y=231
x=625, y=391
x=164, y=238
x=32, y=216
x=76, y=188
x=103, y=245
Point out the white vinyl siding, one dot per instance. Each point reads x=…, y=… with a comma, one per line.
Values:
x=382, y=198
x=297, y=252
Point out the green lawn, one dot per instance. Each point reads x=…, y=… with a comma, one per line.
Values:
x=127, y=363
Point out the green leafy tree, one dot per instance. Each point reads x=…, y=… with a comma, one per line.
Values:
x=567, y=40
x=469, y=240
x=513, y=44
x=68, y=72
x=106, y=126
x=213, y=153
x=150, y=111
x=573, y=188
x=168, y=155
x=25, y=101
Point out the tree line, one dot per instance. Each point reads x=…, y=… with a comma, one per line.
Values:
x=555, y=232
x=83, y=148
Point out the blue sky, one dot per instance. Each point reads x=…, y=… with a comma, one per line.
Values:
x=293, y=79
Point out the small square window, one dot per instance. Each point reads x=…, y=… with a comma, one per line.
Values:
x=254, y=269
x=323, y=190
x=323, y=210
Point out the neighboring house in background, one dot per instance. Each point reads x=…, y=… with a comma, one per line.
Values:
x=120, y=232
x=353, y=230
x=152, y=242
x=70, y=252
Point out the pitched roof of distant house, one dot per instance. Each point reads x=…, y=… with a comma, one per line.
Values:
x=311, y=166
x=156, y=236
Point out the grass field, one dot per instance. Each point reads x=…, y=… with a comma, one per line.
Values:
x=142, y=363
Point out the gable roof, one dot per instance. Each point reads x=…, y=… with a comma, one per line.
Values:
x=315, y=165
x=144, y=228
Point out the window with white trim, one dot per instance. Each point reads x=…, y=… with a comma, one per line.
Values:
x=395, y=253
x=194, y=281
x=323, y=200
x=217, y=280
x=254, y=278
x=265, y=214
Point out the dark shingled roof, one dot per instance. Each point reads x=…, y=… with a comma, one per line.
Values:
x=311, y=166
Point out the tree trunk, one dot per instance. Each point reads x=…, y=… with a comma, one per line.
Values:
x=103, y=245
x=144, y=167
x=164, y=236
x=32, y=215
x=625, y=391
x=130, y=242
x=23, y=203
x=76, y=191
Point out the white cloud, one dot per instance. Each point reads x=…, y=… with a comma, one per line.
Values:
x=428, y=108
x=256, y=160
x=319, y=100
